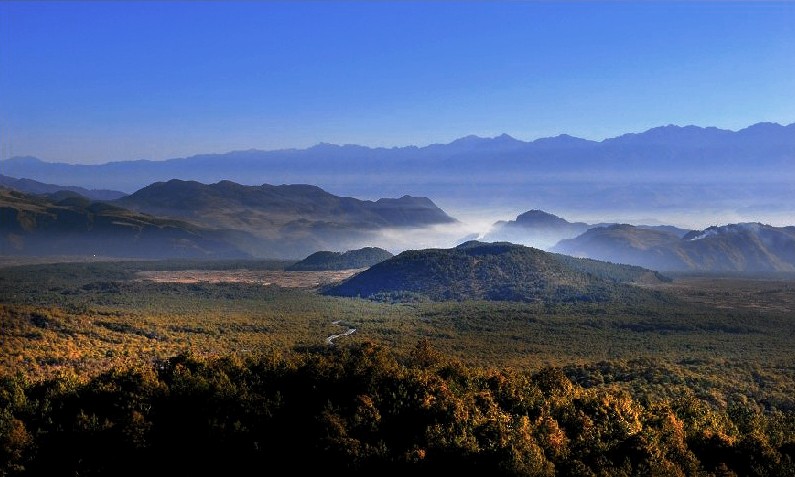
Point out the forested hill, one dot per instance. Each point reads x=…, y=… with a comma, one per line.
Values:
x=326, y=260
x=495, y=271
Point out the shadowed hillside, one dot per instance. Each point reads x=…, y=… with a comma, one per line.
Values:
x=269, y=207
x=290, y=221
x=750, y=247
x=69, y=224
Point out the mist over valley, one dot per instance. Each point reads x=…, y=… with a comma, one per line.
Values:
x=682, y=178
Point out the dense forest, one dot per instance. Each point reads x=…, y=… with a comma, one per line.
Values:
x=363, y=410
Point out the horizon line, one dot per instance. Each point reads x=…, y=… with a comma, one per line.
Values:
x=474, y=136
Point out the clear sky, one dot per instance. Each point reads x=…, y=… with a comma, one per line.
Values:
x=92, y=82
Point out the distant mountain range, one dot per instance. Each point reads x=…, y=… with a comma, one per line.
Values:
x=351, y=259
x=495, y=271
x=748, y=247
x=667, y=154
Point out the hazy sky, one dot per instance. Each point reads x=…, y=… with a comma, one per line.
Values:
x=100, y=81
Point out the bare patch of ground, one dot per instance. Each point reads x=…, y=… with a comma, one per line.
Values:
x=764, y=295
x=14, y=261
x=262, y=277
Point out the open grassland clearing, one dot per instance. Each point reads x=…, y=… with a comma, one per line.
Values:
x=765, y=293
x=281, y=278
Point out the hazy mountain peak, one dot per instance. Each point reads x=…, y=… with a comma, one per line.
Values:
x=562, y=140
x=769, y=133
x=325, y=145
x=538, y=217
x=765, y=126
x=23, y=160
x=674, y=136
x=225, y=183
x=407, y=200
x=468, y=140
x=473, y=141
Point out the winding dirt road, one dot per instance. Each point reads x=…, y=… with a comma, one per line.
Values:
x=349, y=331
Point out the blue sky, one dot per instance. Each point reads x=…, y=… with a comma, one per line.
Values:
x=92, y=82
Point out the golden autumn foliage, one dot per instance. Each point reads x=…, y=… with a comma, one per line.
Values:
x=364, y=410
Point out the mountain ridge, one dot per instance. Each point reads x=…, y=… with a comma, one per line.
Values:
x=745, y=247
x=290, y=220
x=471, y=139
x=35, y=187
x=693, y=149
x=221, y=204
x=75, y=225
x=283, y=222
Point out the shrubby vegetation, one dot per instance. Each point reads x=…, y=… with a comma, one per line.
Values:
x=363, y=410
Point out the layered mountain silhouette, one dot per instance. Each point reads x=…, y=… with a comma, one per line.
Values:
x=495, y=271
x=748, y=247
x=290, y=221
x=69, y=224
x=36, y=187
x=763, y=151
x=267, y=206
x=543, y=230
x=351, y=259
x=535, y=227
x=187, y=218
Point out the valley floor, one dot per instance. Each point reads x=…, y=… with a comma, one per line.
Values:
x=723, y=341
